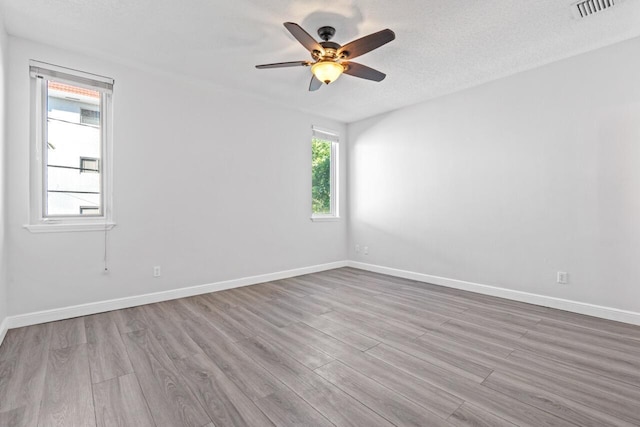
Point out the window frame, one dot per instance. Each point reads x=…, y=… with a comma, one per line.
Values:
x=40, y=74
x=334, y=138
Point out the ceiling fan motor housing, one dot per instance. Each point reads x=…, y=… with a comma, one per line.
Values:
x=326, y=33
x=330, y=51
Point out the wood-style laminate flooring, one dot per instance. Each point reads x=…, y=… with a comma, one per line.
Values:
x=343, y=347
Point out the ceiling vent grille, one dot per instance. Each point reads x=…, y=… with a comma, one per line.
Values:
x=589, y=7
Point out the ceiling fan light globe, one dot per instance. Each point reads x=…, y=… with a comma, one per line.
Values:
x=327, y=71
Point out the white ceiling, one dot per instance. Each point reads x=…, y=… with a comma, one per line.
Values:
x=440, y=46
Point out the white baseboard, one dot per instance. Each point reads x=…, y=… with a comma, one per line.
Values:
x=536, y=299
x=119, y=303
x=4, y=327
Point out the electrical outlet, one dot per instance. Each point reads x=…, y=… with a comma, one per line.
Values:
x=156, y=271
x=357, y=249
x=366, y=250
x=563, y=277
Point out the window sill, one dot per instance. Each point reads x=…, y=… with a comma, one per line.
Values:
x=325, y=218
x=67, y=228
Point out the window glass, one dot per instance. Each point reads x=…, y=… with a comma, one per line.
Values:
x=321, y=176
x=324, y=174
x=89, y=164
x=90, y=117
x=73, y=147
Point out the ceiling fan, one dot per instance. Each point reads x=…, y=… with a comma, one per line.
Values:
x=330, y=59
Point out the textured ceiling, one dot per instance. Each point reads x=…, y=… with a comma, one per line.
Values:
x=440, y=46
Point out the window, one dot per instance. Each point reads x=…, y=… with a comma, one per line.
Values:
x=70, y=180
x=89, y=164
x=90, y=117
x=324, y=175
x=89, y=210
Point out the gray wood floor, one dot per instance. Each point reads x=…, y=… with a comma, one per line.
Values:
x=343, y=347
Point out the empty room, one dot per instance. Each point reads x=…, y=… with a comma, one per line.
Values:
x=319, y=213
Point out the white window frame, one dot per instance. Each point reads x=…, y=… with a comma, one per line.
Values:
x=40, y=74
x=334, y=138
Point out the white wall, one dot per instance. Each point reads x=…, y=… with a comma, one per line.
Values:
x=208, y=184
x=3, y=168
x=507, y=183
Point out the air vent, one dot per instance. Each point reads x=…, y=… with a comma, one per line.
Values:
x=586, y=8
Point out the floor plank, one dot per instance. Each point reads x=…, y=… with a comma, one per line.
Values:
x=172, y=403
x=108, y=357
x=251, y=378
x=613, y=364
x=451, y=357
x=606, y=395
x=489, y=400
x=285, y=408
x=119, y=402
x=67, y=399
x=392, y=406
x=22, y=377
x=424, y=394
x=130, y=319
x=13, y=343
x=223, y=401
x=16, y=418
x=588, y=336
x=65, y=333
x=337, y=406
x=562, y=407
x=342, y=333
x=169, y=334
x=305, y=354
x=470, y=415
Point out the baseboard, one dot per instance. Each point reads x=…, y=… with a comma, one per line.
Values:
x=603, y=312
x=4, y=327
x=120, y=303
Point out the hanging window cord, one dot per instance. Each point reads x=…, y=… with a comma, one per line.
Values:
x=106, y=226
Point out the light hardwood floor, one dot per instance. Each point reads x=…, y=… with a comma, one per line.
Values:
x=343, y=347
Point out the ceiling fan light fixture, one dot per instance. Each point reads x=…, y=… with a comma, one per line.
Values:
x=330, y=59
x=327, y=71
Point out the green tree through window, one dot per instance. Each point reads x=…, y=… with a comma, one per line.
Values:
x=321, y=176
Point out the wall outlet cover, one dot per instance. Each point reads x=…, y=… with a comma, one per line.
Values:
x=562, y=277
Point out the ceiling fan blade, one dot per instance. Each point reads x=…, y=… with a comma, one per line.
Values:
x=362, y=71
x=315, y=84
x=285, y=64
x=367, y=43
x=303, y=37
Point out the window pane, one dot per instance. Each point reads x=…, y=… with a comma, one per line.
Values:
x=88, y=164
x=89, y=210
x=321, y=176
x=73, y=149
x=64, y=203
x=90, y=117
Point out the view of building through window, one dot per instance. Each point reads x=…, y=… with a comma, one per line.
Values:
x=73, y=151
x=321, y=176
